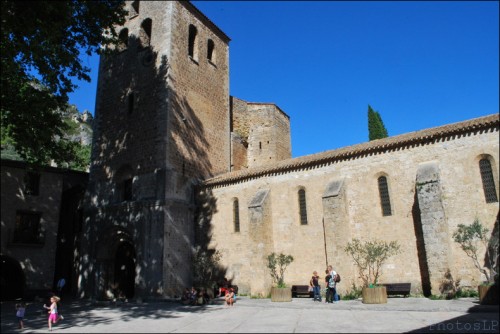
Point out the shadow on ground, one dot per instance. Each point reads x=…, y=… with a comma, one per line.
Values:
x=86, y=313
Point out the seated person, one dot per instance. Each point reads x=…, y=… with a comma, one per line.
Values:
x=186, y=296
x=230, y=297
x=193, y=296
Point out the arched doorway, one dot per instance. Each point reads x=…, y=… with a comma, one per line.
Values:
x=125, y=270
x=12, y=279
x=116, y=260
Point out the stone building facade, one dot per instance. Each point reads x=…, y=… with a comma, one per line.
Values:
x=41, y=225
x=171, y=148
x=161, y=125
x=414, y=188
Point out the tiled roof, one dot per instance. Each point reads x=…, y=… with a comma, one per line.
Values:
x=417, y=138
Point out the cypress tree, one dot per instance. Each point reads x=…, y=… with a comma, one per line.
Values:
x=376, y=128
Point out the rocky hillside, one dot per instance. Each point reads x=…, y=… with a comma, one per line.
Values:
x=80, y=125
x=79, y=130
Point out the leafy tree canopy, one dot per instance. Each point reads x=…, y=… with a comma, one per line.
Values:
x=40, y=51
x=376, y=128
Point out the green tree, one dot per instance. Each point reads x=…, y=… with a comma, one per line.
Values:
x=40, y=56
x=376, y=128
x=369, y=256
x=470, y=237
x=277, y=263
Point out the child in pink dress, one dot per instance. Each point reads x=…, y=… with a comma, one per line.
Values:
x=53, y=314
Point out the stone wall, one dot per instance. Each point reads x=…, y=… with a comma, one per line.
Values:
x=37, y=260
x=266, y=130
x=343, y=202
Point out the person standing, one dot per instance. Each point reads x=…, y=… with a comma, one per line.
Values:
x=332, y=284
x=314, y=282
x=20, y=310
x=329, y=290
x=60, y=285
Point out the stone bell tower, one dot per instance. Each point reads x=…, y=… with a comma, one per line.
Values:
x=161, y=124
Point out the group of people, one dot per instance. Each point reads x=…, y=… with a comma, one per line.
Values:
x=52, y=310
x=330, y=284
x=201, y=297
x=195, y=297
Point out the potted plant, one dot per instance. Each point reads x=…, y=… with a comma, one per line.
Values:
x=369, y=256
x=205, y=268
x=277, y=264
x=473, y=237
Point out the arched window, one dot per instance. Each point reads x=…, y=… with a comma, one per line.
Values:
x=123, y=37
x=211, y=51
x=385, y=200
x=236, y=215
x=134, y=8
x=302, y=207
x=490, y=192
x=145, y=33
x=192, y=49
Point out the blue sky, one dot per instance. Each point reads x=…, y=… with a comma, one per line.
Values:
x=420, y=64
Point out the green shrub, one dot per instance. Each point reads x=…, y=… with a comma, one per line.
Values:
x=354, y=293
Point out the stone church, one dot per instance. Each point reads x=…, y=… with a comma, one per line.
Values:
x=173, y=150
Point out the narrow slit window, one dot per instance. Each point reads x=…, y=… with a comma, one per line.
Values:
x=134, y=8
x=489, y=188
x=123, y=37
x=131, y=99
x=302, y=207
x=236, y=215
x=211, y=51
x=145, y=33
x=127, y=189
x=192, y=50
x=385, y=200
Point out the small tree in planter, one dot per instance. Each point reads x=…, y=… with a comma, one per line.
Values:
x=277, y=264
x=206, y=266
x=470, y=237
x=369, y=256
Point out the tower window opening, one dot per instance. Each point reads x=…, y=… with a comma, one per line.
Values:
x=134, y=8
x=192, y=49
x=145, y=33
x=131, y=101
x=211, y=51
x=123, y=40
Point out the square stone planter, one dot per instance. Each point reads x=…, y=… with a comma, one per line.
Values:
x=375, y=295
x=281, y=294
x=488, y=294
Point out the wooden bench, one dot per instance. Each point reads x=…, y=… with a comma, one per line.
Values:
x=398, y=289
x=301, y=290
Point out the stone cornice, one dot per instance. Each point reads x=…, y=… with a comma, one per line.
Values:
x=404, y=141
